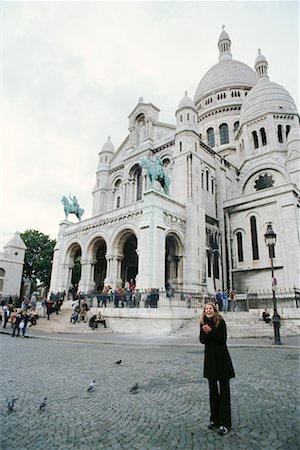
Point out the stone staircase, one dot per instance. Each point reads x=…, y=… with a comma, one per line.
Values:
x=183, y=322
x=248, y=324
x=60, y=323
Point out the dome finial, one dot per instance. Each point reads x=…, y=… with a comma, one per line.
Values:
x=261, y=66
x=186, y=93
x=224, y=45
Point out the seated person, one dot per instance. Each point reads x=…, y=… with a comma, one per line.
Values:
x=74, y=317
x=32, y=318
x=82, y=314
x=92, y=322
x=99, y=319
x=266, y=316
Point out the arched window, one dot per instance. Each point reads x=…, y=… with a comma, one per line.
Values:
x=255, y=139
x=216, y=266
x=287, y=130
x=210, y=137
x=212, y=186
x=207, y=180
x=2, y=276
x=279, y=134
x=263, y=136
x=117, y=196
x=224, y=135
x=202, y=180
x=180, y=146
x=138, y=183
x=236, y=125
x=208, y=264
x=239, y=240
x=254, y=238
x=188, y=117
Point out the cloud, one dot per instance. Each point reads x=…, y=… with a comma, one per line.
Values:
x=73, y=71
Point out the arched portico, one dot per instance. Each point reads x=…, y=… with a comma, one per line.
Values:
x=173, y=260
x=98, y=264
x=72, y=267
x=123, y=262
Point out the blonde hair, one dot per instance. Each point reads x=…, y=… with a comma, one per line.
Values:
x=216, y=317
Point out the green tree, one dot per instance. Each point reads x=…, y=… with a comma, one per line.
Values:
x=38, y=257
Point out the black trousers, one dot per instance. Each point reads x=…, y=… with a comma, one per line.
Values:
x=219, y=399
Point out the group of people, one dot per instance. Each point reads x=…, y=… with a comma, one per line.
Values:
x=81, y=314
x=222, y=300
x=19, y=318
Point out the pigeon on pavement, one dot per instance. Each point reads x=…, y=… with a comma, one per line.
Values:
x=118, y=362
x=11, y=404
x=134, y=388
x=92, y=386
x=43, y=403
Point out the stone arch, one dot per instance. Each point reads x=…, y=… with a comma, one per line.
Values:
x=135, y=176
x=97, y=251
x=125, y=246
x=248, y=180
x=73, y=257
x=173, y=259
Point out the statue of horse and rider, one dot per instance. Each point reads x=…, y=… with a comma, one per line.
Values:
x=73, y=207
x=155, y=172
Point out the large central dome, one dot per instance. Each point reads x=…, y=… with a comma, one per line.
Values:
x=226, y=73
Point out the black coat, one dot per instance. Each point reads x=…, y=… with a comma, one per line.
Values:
x=217, y=361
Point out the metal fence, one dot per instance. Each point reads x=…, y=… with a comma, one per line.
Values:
x=146, y=299
x=285, y=298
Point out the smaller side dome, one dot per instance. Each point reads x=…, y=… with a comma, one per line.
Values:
x=266, y=96
x=186, y=102
x=108, y=146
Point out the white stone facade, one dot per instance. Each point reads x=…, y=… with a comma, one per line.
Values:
x=11, y=266
x=233, y=160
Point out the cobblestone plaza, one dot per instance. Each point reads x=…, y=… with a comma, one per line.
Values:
x=170, y=410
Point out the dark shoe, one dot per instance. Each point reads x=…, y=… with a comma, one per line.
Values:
x=211, y=425
x=222, y=431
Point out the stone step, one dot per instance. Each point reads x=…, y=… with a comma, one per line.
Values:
x=168, y=322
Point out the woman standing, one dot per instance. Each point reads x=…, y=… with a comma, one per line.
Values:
x=218, y=367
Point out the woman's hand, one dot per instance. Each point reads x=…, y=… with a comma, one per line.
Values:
x=206, y=328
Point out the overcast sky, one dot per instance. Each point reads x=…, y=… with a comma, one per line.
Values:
x=73, y=71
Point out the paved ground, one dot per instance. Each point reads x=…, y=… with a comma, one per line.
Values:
x=169, y=412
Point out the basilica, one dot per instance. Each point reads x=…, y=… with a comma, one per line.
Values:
x=232, y=161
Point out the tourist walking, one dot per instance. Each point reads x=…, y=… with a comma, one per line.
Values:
x=233, y=300
x=225, y=301
x=219, y=300
x=16, y=323
x=218, y=367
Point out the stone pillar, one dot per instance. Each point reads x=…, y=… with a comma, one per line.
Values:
x=85, y=274
x=152, y=241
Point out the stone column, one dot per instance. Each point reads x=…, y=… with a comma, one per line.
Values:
x=152, y=241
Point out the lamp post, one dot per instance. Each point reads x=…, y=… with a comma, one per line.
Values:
x=270, y=240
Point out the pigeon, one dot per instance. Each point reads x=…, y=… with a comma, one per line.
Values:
x=134, y=388
x=11, y=404
x=43, y=403
x=92, y=386
x=118, y=362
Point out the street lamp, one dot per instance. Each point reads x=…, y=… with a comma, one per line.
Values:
x=270, y=240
